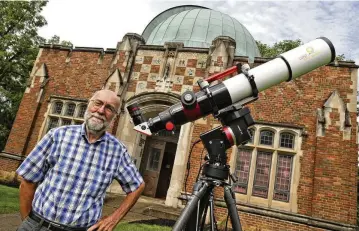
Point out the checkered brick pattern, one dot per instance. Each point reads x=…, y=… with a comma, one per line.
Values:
x=184, y=72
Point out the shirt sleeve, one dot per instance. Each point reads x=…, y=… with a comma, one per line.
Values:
x=35, y=165
x=127, y=174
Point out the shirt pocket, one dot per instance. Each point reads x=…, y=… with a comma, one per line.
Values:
x=99, y=182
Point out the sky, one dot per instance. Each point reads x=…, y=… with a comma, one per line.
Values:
x=103, y=23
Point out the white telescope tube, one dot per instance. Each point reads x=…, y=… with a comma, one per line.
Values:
x=287, y=66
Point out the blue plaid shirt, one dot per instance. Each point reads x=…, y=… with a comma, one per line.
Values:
x=73, y=174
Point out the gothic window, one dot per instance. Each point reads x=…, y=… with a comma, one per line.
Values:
x=242, y=170
x=70, y=109
x=53, y=122
x=262, y=173
x=286, y=140
x=282, y=177
x=57, y=107
x=263, y=168
x=65, y=122
x=266, y=137
x=82, y=111
x=65, y=112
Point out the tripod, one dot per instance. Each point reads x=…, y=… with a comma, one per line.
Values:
x=216, y=172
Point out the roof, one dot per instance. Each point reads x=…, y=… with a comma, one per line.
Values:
x=198, y=27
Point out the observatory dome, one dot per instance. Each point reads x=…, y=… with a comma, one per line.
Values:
x=197, y=26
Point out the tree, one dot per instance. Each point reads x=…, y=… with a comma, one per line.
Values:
x=278, y=48
x=19, y=45
x=283, y=46
x=56, y=40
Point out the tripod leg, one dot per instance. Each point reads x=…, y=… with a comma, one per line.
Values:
x=212, y=217
x=232, y=208
x=199, y=190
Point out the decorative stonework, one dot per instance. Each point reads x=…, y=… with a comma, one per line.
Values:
x=115, y=82
x=326, y=116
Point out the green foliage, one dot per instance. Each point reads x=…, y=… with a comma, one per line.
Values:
x=342, y=58
x=278, y=48
x=19, y=43
x=56, y=40
x=283, y=46
x=9, y=200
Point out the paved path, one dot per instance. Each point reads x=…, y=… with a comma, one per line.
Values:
x=145, y=209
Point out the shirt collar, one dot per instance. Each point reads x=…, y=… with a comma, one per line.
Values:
x=83, y=133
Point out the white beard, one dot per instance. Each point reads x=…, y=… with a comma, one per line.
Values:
x=95, y=122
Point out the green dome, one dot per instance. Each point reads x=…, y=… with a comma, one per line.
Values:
x=198, y=28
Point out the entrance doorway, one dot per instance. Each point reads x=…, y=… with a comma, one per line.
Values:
x=157, y=164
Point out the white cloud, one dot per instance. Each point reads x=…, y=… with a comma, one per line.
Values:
x=104, y=23
x=95, y=23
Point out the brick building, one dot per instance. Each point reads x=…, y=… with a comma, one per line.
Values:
x=299, y=172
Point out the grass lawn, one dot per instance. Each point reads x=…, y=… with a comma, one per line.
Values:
x=9, y=203
x=9, y=199
x=140, y=227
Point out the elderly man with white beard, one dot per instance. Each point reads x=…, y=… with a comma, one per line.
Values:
x=65, y=177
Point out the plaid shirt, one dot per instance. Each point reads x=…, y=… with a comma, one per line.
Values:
x=73, y=174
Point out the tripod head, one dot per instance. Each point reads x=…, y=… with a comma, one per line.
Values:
x=235, y=120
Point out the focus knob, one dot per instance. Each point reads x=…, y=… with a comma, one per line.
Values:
x=189, y=100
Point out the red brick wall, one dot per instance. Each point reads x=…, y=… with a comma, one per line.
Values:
x=327, y=187
x=8, y=165
x=79, y=78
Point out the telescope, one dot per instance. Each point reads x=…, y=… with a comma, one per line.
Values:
x=211, y=99
x=226, y=101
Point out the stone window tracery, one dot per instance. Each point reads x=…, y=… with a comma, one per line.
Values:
x=264, y=166
x=65, y=112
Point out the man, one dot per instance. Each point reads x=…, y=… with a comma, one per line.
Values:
x=65, y=177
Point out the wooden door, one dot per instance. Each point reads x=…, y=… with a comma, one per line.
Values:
x=152, y=167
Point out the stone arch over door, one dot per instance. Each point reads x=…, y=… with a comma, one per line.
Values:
x=155, y=155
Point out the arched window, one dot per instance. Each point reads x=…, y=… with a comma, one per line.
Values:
x=265, y=168
x=53, y=123
x=65, y=112
x=266, y=137
x=70, y=109
x=286, y=140
x=65, y=122
x=81, y=111
x=57, y=108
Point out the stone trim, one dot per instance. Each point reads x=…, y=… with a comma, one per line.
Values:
x=56, y=46
x=190, y=49
x=12, y=156
x=66, y=98
x=280, y=125
x=350, y=64
x=151, y=47
x=155, y=98
x=89, y=49
x=81, y=49
x=110, y=51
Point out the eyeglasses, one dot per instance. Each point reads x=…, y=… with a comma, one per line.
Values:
x=96, y=104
